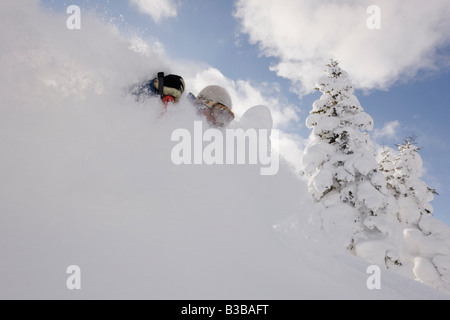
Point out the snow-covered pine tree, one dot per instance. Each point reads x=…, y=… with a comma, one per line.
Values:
x=340, y=161
x=413, y=194
x=426, y=239
x=387, y=168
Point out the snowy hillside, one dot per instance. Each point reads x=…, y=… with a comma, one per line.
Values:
x=87, y=180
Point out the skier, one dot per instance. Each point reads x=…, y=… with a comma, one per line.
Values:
x=169, y=88
x=215, y=104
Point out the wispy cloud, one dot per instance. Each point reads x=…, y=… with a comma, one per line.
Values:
x=389, y=131
x=303, y=34
x=157, y=9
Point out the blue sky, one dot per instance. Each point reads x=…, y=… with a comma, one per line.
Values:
x=402, y=69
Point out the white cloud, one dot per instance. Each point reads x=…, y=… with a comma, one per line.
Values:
x=389, y=131
x=303, y=34
x=157, y=9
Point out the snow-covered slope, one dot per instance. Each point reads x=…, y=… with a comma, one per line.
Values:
x=87, y=179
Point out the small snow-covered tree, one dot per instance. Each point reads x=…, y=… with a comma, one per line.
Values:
x=413, y=194
x=340, y=161
x=422, y=242
x=387, y=168
x=429, y=249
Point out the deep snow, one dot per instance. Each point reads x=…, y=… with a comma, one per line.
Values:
x=87, y=179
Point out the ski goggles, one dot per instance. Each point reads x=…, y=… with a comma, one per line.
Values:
x=221, y=115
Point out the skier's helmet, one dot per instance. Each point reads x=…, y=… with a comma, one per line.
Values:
x=216, y=94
